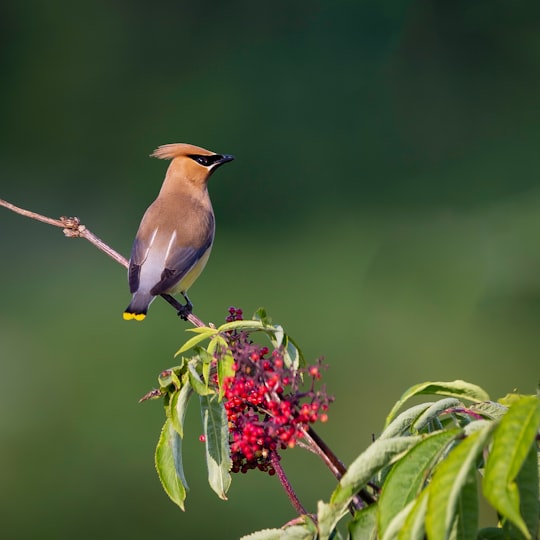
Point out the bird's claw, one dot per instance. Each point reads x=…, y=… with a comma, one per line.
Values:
x=185, y=311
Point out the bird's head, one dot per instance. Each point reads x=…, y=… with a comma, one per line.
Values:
x=191, y=162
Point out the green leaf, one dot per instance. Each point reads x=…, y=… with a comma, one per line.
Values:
x=328, y=514
x=490, y=409
x=195, y=340
x=265, y=534
x=170, y=376
x=200, y=329
x=240, y=326
x=408, y=476
x=402, y=423
x=512, y=442
x=414, y=525
x=527, y=481
x=197, y=383
x=261, y=315
x=396, y=525
x=304, y=531
x=364, y=524
x=217, y=344
x=458, y=389
x=178, y=407
x=466, y=524
x=168, y=460
x=450, y=478
x=216, y=431
x=380, y=454
x=298, y=532
x=433, y=412
x=491, y=533
x=292, y=355
x=224, y=369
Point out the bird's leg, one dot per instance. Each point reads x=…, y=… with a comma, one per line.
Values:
x=186, y=309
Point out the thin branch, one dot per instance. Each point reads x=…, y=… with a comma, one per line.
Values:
x=336, y=466
x=295, y=501
x=72, y=228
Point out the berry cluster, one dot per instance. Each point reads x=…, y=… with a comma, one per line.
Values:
x=266, y=407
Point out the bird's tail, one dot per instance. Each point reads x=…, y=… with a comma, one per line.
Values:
x=138, y=307
x=129, y=315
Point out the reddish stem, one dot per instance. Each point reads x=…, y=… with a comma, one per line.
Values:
x=274, y=459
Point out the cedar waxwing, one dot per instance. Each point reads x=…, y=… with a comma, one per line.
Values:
x=176, y=233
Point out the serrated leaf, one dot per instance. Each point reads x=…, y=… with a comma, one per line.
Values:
x=298, y=532
x=512, y=441
x=168, y=461
x=408, y=476
x=491, y=409
x=458, y=389
x=380, y=454
x=265, y=534
x=216, y=432
x=178, y=407
x=449, y=480
x=364, y=524
x=402, y=423
x=303, y=529
x=195, y=340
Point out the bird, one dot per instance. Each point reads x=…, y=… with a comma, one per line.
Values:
x=176, y=233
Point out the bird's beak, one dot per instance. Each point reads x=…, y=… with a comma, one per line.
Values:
x=225, y=158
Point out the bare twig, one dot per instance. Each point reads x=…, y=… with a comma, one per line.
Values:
x=72, y=228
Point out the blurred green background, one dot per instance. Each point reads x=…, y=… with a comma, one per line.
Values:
x=384, y=207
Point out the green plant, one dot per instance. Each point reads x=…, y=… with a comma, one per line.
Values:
x=419, y=479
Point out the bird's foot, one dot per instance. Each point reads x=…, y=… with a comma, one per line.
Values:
x=185, y=310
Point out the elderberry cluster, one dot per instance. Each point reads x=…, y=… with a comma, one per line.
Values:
x=267, y=408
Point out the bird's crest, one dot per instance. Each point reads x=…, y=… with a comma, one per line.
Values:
x=171, y=151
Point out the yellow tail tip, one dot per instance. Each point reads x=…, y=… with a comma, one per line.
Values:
x=130, y=316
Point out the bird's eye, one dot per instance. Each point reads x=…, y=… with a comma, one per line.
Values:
x=201, y=160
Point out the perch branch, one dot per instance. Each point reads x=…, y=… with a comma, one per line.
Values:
x=73, y=228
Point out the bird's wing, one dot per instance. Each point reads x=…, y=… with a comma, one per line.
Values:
x=179, y=264
x=141, y=249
